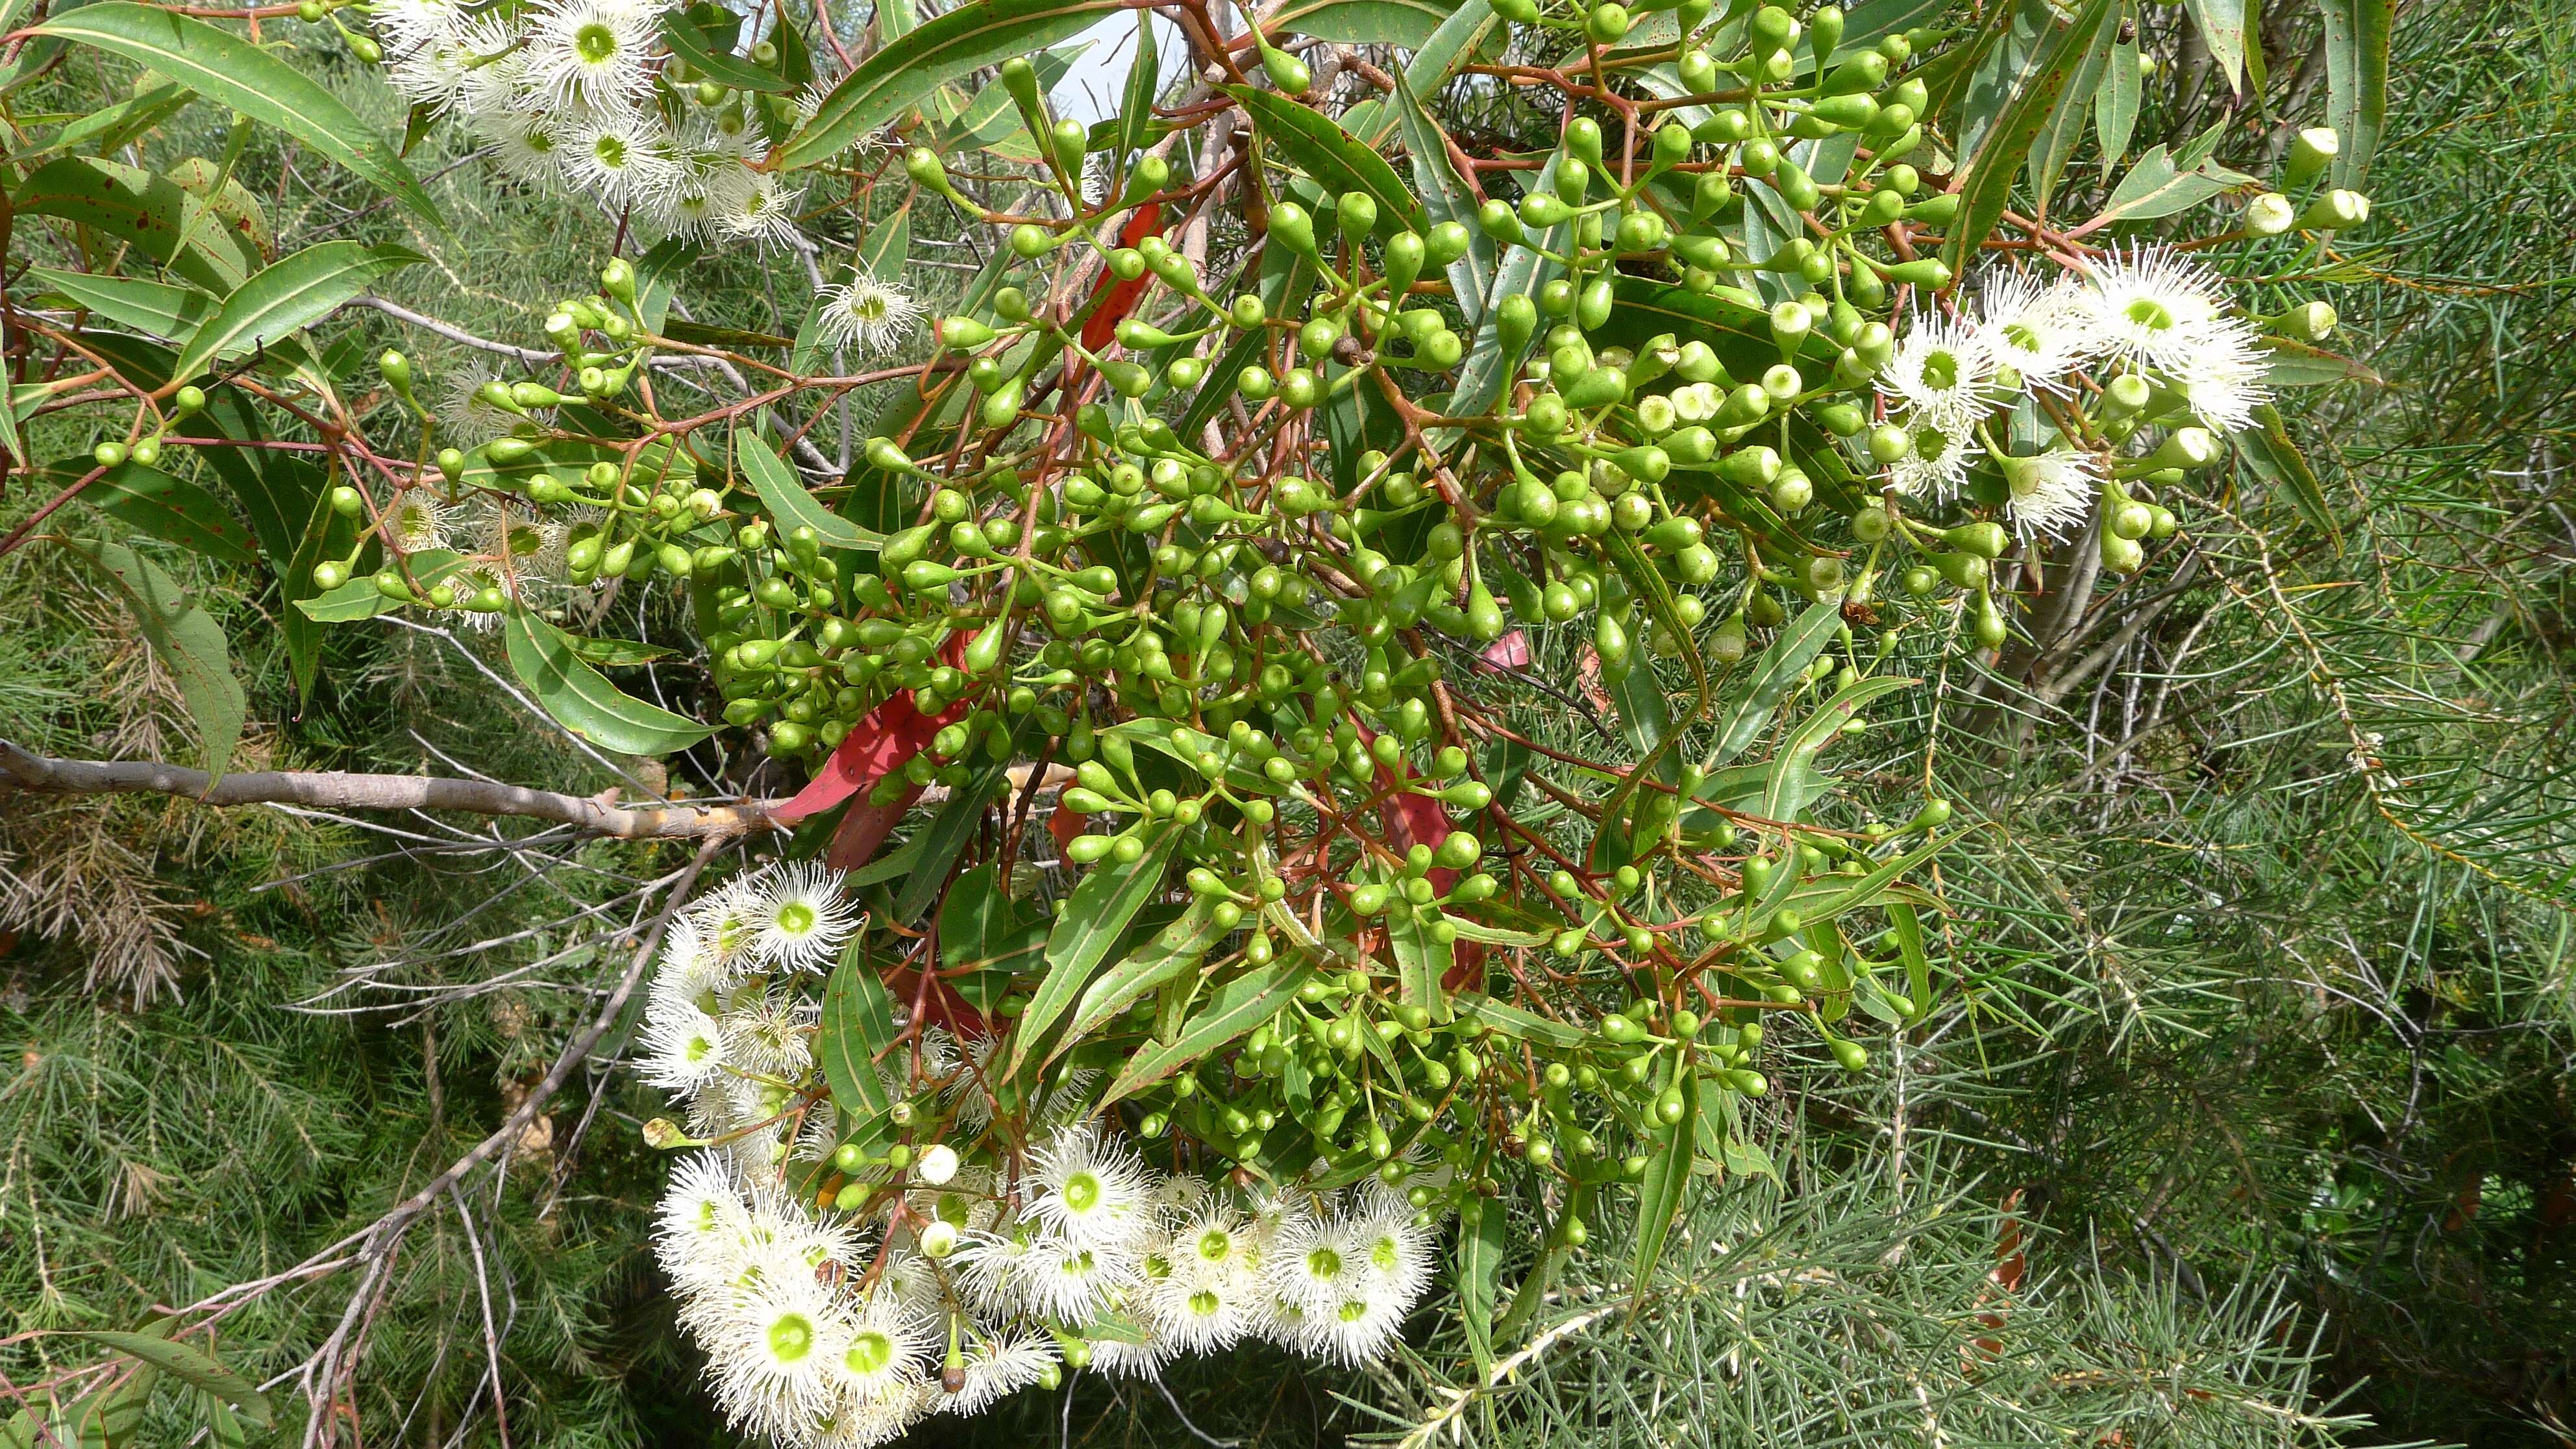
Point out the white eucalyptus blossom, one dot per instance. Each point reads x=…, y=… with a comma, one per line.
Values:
x=2050, y=492
x=866, y=316
x=1942, y=374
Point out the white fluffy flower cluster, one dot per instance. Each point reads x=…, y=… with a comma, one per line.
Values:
x=829, y=1332
x=575, y=93
x=950, y=1285
x=726, y=1029
x=2148, y=311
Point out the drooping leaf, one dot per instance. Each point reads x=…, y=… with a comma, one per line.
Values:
x=286, y=296
x=1144, y=83
x=1332, y=156
x=224, y=67
x=2221, y=24
x=2267, y=448
x=327, y=535
x=1667, y=1179
x=1517, y=1023
x=2115, y=100
x=184, y=637
x=857, y=1024
x=171, y=509
x=1445, y=197
x=945, y=838
x=1484, y=1235
x=1421, y=960
x=582, y=700
x=1231, y=1010
x=2357, y=34
x=155, y=308
x=2054, y=146
x=191, y=1366
x=1908, y=929
x=976, y=34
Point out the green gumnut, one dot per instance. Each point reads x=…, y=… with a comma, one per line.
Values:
x=1294, y=227
x=1405, y=255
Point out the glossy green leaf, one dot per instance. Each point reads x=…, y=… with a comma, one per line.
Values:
x=2357, y=34
x=946, y=837
x=1516, y=1023
x=1987, y=173
x=1471, y=28
x=2267, y=448
x=1421, y=959
x=886, y=84
x=359, y=598
x=2054, y=146
x=114, y=126
x=1309, y=140
x=1175, y=949
x=156, y=308
x=1095, y=916
x=1445, y=197
x=784, y=495
x=224, y=67
x=160, y=217
x=1144, y=83
x=690, y=43
x=2155, y=187
x=171, y=509
x=1232, y=1010
x=184, y=637
x=1780, y=669
x=857, y=1024
x=1409, y=23
x=1818, y=730
x=1484, y=1236
x=1667, y=1179
x=190, y=1366
x=582, y=700
x=1908, y=929
x=286, y=296
x=980, y=925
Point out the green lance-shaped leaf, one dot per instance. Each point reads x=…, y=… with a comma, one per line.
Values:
x=2221, y=24
x=1445, y=197
x=2268, y=450
x=1909, y=944
x=1812, y=734
x=1094, y=917
x=1308, y=139
x=1774, y=675
x=286, y=296
x=359, y=598
x=946, y=837
x=1986, y=176
x=222, y=66
x=171, y=509
x=1408, y=23
x=886, y=84
x=191, y=1366
x=186, y=639
x=2115, y=100
x=327, y=535
x=163, y=220
x=857, y=1024
x=2357, y=34
x=1667, y=1179
x=1173, y=950
x=1484, y=1235
x=1232, y=1010
x=1516, y=1023
x=157, y=308
x=1421, y=959
x=582, y=700
x=1144, y=83
x=787, y=501
x=691, y=44
x=2055, y=144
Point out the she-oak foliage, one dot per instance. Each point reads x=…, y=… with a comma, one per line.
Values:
x=1304, y=457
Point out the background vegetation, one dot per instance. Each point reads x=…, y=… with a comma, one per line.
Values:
x=2249, y=1121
